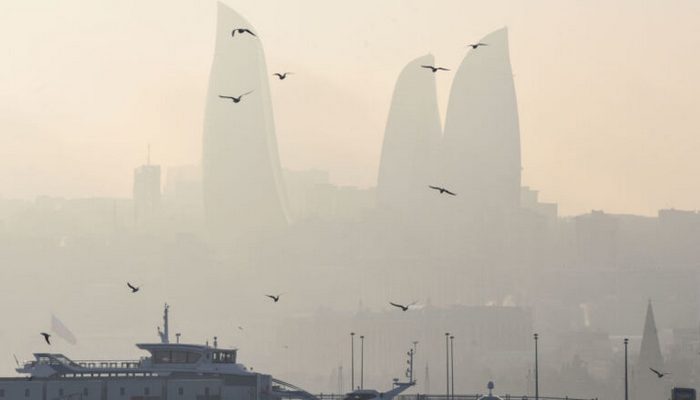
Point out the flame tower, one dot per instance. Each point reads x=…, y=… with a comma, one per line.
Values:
x=243, y=191
x=480, y=156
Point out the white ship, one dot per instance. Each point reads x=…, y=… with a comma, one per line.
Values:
x=171, y=371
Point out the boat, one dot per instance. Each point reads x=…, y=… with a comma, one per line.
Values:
x=170, y=371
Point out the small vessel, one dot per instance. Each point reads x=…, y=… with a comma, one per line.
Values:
x=397, y=389
x=171, y=371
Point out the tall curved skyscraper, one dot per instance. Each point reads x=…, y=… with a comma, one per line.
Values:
x=480, y=155
x=242, y=180
x=411, y=138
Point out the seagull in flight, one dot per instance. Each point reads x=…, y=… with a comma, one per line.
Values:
x=475, y=45
x=434, y=68
x=442, y=190
x=282, y=75
x=659, y=374
x=402, y=307
x=236, y=99
x=241, y=31
x=133, y=288
x=275, y=298
x=46, y=337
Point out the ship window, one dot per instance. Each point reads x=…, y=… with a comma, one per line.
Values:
x=227, y=357
x=160, y=357
x=60, y=392
x=122, y=391
x=180, y=391
x=179, y=357
x=146, y=391
x=193, y=357
x=26, y=392
x=85, y=391
x=206, y=391
x=2, y=392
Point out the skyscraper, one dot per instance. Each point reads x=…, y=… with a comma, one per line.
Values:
x=480, y=155
x=412, y=135
x=242, y=179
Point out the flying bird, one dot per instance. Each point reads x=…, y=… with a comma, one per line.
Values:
x=46, y=337
x=659, y=374
x=434, y=68
x=236, y=99
x=402, y=307
x=442, y=190
x=240, y=328
x=242, y=30
x=282, y=75
x=475, y=45
x=133, y=288
x=275, y=298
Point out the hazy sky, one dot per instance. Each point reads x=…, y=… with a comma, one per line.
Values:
x=607, y=90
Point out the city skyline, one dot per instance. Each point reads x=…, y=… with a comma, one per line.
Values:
x=273, y=238
x=580, y=164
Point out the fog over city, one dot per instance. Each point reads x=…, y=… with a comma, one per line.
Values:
x=285, y=173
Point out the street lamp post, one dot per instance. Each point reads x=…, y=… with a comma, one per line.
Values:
x=362, y=361
x=452, y=361
x=352, y=361
x=447, y=364
x=537, y=380
x=626, y=392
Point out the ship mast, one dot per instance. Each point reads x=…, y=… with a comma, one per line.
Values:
x=164, y=335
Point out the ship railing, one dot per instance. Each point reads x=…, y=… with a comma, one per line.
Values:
x=476, y=396
x=109, y=364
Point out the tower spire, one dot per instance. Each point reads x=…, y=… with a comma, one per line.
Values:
x=650, y=350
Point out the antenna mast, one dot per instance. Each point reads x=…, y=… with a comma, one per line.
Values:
x=164, y=336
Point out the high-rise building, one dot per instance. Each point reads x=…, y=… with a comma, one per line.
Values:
x=146, y=192
x=411, y=138
x=242, y=181
x=480, y=155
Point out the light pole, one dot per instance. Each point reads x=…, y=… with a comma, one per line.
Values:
x=362, y=361
x=352, y=361
x=626, y=393
x=537, y=380
x=447, y=364
x=452, y=361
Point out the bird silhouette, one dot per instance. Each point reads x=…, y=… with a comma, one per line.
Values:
x=236, y=99
x=475, y=45
x=402, y=307
x=46, y=337
x=434, y=68
x=659, y=374
x=442, y=190
x=133, y=288
x=241, y=31
x=282, y=75
x=275, y=298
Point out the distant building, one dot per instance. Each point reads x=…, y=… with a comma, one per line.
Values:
x=480, y=152
x=242, y=178
x=146, y=192
x=679, y=237
x=412, y=134
x=648, y=385
x=183, y=186
x=596, y=239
